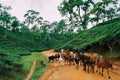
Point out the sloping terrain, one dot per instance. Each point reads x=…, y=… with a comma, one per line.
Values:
x=104, y=37
x=13, y=46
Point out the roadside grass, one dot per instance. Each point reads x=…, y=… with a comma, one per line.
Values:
x=27, y=63
x=39, y=70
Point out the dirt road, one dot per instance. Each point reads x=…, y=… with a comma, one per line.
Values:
x=58, y=72
x=31, y=70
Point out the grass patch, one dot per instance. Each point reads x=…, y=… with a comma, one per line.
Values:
x=39, y=69
x=27, y=61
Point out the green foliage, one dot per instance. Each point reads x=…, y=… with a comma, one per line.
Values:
x=71, y=6
x=9, y=65
x=13, y=48
x=104, y=34
x=82, y=12
x=18, y=40
x=14, y=24
x=103, y=11
x=30, y=17
x=27, y=61
x=39, y=70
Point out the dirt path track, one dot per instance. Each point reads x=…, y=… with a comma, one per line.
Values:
x=31, y=70
x=57, y=72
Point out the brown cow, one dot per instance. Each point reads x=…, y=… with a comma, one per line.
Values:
x=68, y=58
x=91, y=60
x=104, y=64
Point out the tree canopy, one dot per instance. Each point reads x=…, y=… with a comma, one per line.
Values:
x=35, y=34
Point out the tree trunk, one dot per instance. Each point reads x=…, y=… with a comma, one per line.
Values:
x=109, y=47
x=71, y=20
x=5, y=25
x=79, y=14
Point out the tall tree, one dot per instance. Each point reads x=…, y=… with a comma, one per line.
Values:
x=5, y=18
x=81, y=6
x=30, y=17
x=15, y=24
x=60, y=27
x=104, y=10
x=66, y=9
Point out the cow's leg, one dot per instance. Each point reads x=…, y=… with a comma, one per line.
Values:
x=77, y=66
x=92, y=66
x=102, y=71
x=80, y=63
x=66, y=62
x=108, y=74
x=84, y=66
x=53, y=60
x=88, y=68
x=94, y=69
x=99, y=69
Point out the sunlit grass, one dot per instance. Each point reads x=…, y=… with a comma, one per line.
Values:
x=27, y=63
x=39, y=70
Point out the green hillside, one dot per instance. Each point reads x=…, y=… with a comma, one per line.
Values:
x=104, y=37
x=17, y=50
x=13, y=48
x=23, y=41
x=18, y=41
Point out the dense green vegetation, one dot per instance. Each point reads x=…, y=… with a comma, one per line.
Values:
x=27, y=63
x=102, y=38
x=39, y=70
x=20, y=41
x=80, y=13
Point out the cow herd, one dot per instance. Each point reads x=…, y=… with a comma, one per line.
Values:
x=87, y=60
